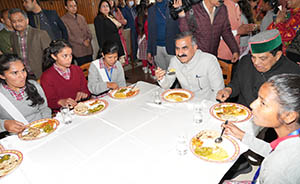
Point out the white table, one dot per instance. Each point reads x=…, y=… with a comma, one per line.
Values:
x=132, y=142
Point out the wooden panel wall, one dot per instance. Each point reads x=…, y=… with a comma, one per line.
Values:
x=87, y=8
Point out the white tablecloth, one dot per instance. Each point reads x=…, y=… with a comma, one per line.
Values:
x=133, y=141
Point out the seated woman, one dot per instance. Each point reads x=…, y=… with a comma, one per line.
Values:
x=26, y=97
x=106, y=73
x=278, y=107
x=64, y=84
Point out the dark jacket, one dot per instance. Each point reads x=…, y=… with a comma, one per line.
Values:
x=172, y=29
x=207, y=34
x=58, y=27
x=37, y=41
x=247, y=80
x=107, y=30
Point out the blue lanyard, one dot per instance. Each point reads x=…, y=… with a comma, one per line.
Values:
x=296, y=132
x=109, y=76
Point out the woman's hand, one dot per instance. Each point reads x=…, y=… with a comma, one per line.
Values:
x=112, y=85
x=233, y=130
x=67, y=102
x=13, y=126
x=80, y=95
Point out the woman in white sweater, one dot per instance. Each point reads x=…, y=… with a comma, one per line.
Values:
x=25, y=95
x=278, y=107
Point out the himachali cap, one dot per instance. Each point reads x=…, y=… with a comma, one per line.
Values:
x=265, y=41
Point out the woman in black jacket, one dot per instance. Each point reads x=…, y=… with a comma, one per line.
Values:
x=107, y=26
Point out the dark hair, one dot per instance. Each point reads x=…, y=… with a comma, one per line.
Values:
x=99, y=6
x=54, y=48
x=2, y=12
x=66, y=2
x=186, y=34
x=246, y=10
x=31, y=90
x=274, y=51
x=110, y=47
x=287, y=87
x=17, y=10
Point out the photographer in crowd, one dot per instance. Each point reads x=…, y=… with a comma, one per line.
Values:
x=208, y=21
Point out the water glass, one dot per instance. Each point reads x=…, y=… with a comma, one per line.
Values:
x=182, y=145
x=66, y=115
x=156, y=97
x=198, y=114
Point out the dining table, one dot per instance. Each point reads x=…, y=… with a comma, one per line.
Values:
x=132, y=141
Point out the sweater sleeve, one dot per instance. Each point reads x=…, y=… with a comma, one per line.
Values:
x=48, y=84
x=95, y=83
x=83, y=82
x=183, y=23
x=121, y=77
x=257, y=145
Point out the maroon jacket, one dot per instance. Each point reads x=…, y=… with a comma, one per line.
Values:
x=207, y=34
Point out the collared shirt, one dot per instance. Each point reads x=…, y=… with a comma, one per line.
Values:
x=212, y=14
x=18, y=95
x=102, y=65
x=65, y=74
x=23, y=48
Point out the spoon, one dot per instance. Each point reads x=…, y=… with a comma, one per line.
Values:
x=219, y=139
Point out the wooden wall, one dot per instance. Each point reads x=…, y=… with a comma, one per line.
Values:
x=87, y=8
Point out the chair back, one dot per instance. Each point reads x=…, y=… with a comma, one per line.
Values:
x=85, y=68
x=226, y=70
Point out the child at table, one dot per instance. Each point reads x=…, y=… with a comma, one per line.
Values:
x=64, y=84
x=21, y=98
x=107, y=72
x=278, y=107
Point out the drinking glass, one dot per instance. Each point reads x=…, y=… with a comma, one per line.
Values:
x=66, y=115
x=198, y=114
x=182, y=145
x=156, y=97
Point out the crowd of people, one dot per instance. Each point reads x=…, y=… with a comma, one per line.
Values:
x=41, y=54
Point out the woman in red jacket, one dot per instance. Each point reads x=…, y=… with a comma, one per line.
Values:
x=64, y=84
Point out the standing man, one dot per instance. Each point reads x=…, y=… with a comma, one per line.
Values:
x=162, y=30
x=196, y=71
x=47, y=20
x=5, y=33
x=208, y=21
x=79, y=33
x=27, y=42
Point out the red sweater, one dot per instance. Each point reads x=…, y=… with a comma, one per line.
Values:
x=56, y=87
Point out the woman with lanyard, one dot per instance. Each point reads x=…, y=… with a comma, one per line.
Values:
x=107, y=72
x=278, y=107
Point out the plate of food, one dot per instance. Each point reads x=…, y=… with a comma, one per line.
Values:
x=39, y=129
x=9, y=161
x=231, y=112
x=90, y=107
x=124, y=92
x=204, y=147
x=177, y=95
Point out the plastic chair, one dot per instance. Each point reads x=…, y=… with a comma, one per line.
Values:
x=226, y=70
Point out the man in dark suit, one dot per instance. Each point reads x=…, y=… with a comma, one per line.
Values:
x=28, y=42
x=47, y=20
